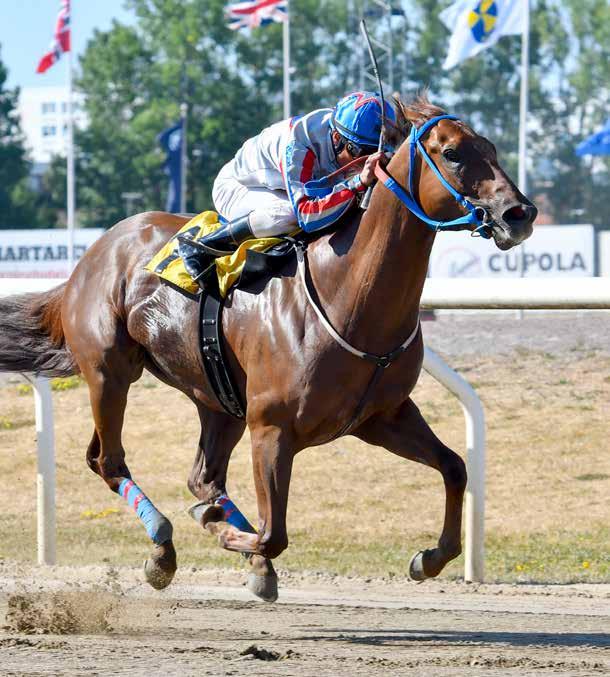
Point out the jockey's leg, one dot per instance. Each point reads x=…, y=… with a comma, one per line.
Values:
x=251, y=213
x=229, y=236
x=269, y=212
x=273, y=216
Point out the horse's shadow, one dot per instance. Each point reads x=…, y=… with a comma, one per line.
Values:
x=396, y=637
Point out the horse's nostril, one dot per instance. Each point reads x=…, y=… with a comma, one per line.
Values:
x=515, y=214
x=520, y=214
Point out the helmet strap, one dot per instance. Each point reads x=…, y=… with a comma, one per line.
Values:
x=338, y=147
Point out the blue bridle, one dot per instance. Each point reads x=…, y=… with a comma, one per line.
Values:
x=475, y=216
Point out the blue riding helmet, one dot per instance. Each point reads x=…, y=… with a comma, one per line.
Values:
x=357, y=117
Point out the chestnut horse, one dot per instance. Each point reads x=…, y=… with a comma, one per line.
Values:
x=112, y=319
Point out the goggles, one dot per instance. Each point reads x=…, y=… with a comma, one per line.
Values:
x=356, y=150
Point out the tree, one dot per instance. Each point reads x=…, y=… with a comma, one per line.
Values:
x=16, y=199
x=568, y=92
x=134, y=79
x=575, y=104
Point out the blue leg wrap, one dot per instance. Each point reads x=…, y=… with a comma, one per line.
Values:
x=233, y=516
x=158, y=527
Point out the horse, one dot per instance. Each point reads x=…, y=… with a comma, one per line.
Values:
x=313, y=348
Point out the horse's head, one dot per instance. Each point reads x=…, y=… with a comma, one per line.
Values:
x=469, y=164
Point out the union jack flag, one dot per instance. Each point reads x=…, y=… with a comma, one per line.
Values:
x=254, y=13
x=61, y=39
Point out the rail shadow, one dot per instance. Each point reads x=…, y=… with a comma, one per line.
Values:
x=395, y=637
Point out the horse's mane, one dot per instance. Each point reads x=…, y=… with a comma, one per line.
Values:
x=414, y=112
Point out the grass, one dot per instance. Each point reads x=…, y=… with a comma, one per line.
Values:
x=354, y=509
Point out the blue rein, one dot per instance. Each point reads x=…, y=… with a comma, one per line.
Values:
x=475, y=216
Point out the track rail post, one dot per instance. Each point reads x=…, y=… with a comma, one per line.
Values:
x=45, y=480
x=474, y=546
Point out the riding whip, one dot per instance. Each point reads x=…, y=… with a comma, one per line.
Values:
x=363, y=29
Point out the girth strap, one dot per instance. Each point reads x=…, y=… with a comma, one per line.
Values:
x=213, y=354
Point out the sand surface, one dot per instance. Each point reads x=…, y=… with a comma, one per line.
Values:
x=104, y=620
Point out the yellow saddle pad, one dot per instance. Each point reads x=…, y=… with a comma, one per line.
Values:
x=168, y=265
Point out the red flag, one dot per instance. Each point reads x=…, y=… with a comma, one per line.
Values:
x=61, y=39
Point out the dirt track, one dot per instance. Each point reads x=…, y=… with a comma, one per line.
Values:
x=102, y=621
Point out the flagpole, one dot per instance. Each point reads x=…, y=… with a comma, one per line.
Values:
x=183, y=158
x=71, y=206
x=286, y=41
x=523, y=104
x=523, y=111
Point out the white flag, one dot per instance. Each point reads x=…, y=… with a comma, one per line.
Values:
x=477, y=24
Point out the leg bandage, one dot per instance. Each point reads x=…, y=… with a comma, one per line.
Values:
x=158, y=527
x=233, y=516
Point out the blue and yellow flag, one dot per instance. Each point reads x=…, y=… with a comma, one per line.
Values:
x=477, y=24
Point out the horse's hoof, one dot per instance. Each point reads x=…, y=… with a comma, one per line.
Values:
x=264, y=587
x=159, y=570
x=416, y=567
x=203, y=513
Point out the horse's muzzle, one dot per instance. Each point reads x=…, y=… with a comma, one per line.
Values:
x=514, y=225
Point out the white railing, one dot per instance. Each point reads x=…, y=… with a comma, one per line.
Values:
x=519, y=293
x=485, y=294
x=45, y=480
x=473, y=293
x=474, y=517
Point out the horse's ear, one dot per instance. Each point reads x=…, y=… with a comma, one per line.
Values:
x=397, y=132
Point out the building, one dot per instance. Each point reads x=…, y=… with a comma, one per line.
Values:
x=43, y=112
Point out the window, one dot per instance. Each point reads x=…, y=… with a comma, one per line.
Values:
x=49, y=130
x=48, y=107
x=64, y=107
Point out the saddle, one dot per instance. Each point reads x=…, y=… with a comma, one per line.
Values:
x=215, y=277
x=169, y=265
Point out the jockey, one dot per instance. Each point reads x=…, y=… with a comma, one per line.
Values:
x=262, y=191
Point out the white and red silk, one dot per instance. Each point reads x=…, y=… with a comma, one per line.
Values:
x=267, y=178
x=61, y=39
x=316, y=213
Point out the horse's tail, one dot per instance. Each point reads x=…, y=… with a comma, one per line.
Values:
x=32, y=336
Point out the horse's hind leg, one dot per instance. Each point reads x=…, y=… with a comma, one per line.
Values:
x=207, y=482
x=405, y=433
x=109, y=379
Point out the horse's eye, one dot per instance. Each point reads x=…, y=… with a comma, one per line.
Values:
x=452, y=155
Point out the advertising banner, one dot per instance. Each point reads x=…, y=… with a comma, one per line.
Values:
x=551, y=251
x=41, y=252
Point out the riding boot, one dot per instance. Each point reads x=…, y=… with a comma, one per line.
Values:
x=198, y=256
x=227, y=238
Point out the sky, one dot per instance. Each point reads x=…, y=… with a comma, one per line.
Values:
x=26, y=31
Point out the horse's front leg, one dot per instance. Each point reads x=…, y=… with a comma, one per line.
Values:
x=215, y=511
x=405, y=433
x=272, y=457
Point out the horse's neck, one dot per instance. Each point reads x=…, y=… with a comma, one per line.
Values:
x=370, y=285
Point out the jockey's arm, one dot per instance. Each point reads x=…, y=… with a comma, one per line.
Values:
x=320, y=210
